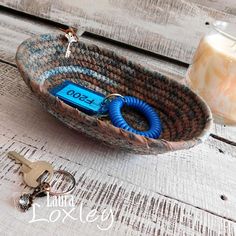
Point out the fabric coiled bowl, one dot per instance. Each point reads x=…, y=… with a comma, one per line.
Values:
x=185, y=117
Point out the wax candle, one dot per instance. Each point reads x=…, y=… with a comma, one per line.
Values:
x=212, y=75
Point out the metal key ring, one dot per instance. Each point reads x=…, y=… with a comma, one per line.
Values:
x=104, y=113
x=112, y=95
x=63, y=172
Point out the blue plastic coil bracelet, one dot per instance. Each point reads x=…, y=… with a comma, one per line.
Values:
x=118, y=120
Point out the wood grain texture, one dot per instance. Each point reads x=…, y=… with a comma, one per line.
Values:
x=228, y=6
x=197, y=177
x=136, y=210
x=157, y=26
x=18, y=29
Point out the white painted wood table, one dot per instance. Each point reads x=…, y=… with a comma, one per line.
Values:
x=190, y=192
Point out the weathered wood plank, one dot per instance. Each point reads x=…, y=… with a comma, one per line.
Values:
x=198, y=176
x=227, y=132
x=228, y=6
x=134, y=210
x=158, y=26
x=17, y=29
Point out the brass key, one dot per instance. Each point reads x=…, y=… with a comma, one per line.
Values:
x=32, y=171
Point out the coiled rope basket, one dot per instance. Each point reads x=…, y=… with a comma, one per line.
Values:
x=186, y=119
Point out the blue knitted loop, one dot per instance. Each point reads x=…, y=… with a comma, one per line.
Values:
x=117, y=119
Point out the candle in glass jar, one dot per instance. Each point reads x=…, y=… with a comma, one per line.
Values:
x=212, y=75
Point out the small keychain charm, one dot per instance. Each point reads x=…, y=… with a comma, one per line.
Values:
x=26, y=199
x=71, y=39
x=72, y=35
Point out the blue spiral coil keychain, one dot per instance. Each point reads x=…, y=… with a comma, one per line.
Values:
x=94, y=103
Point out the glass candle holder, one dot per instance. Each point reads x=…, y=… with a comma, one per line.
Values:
x=212, y=75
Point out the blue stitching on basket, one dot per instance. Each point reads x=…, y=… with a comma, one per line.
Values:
x=74, y=69
x=46, y=37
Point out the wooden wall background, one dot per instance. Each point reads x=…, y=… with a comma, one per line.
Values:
x=171, y=28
